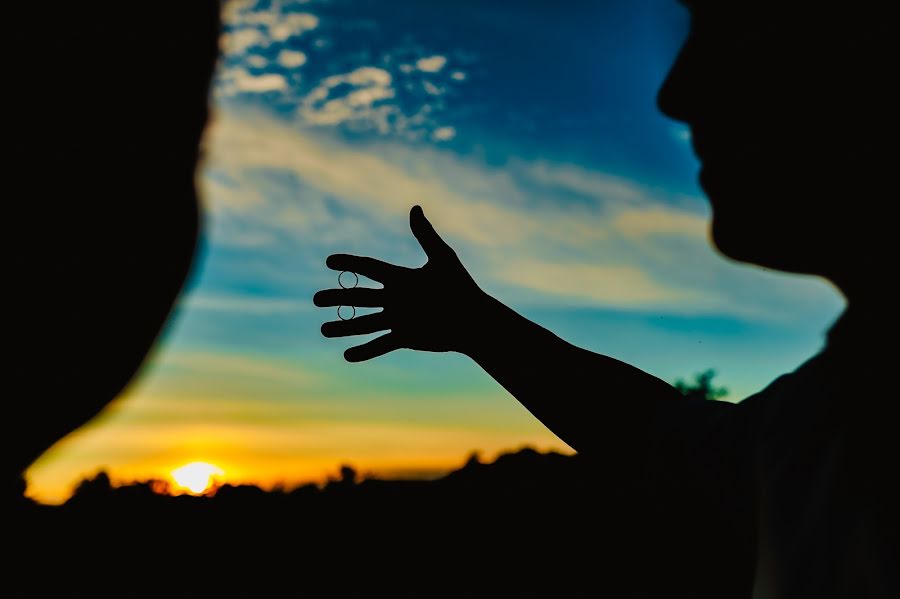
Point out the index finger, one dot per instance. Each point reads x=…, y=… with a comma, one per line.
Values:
x=363, y=265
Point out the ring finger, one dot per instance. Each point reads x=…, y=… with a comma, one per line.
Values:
x=370, y=323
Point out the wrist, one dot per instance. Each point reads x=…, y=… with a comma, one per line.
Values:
x=482, y=324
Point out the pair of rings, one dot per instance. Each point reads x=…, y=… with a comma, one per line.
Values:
x=341, y=283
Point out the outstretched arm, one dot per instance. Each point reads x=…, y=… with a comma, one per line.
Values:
x=439, y=307
x=591, y=401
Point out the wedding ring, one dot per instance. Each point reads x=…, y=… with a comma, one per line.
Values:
x=341, y=282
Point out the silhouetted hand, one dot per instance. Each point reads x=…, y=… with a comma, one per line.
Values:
x=432, y=308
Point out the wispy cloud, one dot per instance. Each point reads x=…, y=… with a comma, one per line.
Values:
x=239, y=80
x=595, y=283
x=598, y=186
x=627, y=246
x=360, y=90
x=262, y=59
x=240, y=40
x=443, y=133
x=431, y=64
x=243, y=304
x=219, y=364
x=285, y=26
x=275, y=20
x=291, y=59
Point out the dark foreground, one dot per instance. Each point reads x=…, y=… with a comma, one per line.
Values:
x=529, y=524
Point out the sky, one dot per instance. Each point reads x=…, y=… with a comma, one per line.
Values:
x=528, y=132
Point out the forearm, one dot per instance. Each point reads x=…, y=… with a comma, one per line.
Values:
x=590, y=401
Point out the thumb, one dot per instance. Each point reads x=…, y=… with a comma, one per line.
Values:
x=427, y=237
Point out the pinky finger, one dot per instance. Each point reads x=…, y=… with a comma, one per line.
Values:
x=374, y=348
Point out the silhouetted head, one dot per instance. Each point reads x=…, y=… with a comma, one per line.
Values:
x=108, y=110
x=789, y=105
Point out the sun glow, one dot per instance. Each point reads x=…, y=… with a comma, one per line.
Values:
x=196, y=477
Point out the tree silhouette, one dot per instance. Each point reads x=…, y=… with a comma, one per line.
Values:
x=702, y=386
x=348, y=476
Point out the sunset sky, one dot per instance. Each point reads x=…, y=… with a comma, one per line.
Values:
x=530, y=136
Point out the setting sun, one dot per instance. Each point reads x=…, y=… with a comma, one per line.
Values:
x=196, y=477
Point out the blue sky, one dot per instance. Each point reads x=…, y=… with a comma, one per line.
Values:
x=529, y=134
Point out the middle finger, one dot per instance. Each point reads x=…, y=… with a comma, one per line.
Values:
x=360, y=297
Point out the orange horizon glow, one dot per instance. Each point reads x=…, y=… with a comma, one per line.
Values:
x=274, y=423
x=266, y=475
